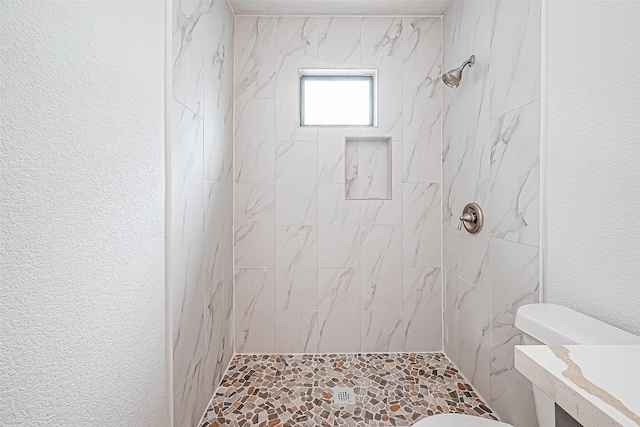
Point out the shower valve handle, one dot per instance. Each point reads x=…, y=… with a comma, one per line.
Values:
x=468, y=217
x=472, y=218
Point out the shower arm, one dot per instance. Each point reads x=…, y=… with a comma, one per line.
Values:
x=470, y=62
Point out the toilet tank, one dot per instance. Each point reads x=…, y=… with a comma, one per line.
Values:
x=553, y=324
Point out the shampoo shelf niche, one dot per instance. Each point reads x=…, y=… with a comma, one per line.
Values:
x=368, y=168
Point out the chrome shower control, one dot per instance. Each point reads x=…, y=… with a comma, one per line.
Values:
x=472, y=218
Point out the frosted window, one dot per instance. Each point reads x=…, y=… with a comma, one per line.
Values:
x=336, y=100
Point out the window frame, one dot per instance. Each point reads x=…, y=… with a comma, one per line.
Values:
x=339, y=74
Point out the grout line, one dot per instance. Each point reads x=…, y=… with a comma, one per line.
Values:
x=168, y=210
x=542, y=232
x=515, y=109
x=188, y=109
x=231, y=7
x=215, y=390
x=340, y=353
x=355, y=16
x=442, y=269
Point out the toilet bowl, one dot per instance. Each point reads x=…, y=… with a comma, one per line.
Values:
x=551, y=324
x=458, y=420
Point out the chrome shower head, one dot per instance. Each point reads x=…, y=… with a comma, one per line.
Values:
x=453, y=77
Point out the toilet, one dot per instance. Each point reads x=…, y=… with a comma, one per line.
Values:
x=544, y=324
x=552, y=324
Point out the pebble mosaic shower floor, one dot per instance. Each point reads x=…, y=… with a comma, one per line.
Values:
x=395, y=389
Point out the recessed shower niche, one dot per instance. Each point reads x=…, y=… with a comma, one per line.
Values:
x=368, y=168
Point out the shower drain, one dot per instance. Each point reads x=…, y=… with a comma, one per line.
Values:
x=344, y=395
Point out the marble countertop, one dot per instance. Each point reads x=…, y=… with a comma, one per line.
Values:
x=598, y=385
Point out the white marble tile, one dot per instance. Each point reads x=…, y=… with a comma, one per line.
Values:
x=296, y=36
x=338, y=228
x=255, y=143
x=422, y=55
x=338, y=310
x=422, y=309
x=382, y=36
x=474, y=145
x=381, y=330
x=389, y=96
x=188, y=53
x=386, y=212
x=471, y=36
x=288, y=98
x=473, y=252
x=515, y=54
x=473, y=334
x=186, y=411
x=421, y=227
x=351, y=170
x=217, y=345
x=514, y=282
x=381, y=267
x=512, y=399
x=297, y=162
x=515, y=175
x=213, y=260
x=228, y=197
x=451, y=27
x=422, y=143
x=254, y=210
x=368, y=168
x=297, y=268
x=229, y=147
x=219, y=349
x=203, y=82
x=338, y=41
x=255, y=64
x=296, y=331
x=218, y=89
x=451, y=209
x=450, y=111
x=296, y=204
x=450, y=285
x=187, y=309
x=255, y=310
x=186, y=175
x=229, y=157
x=229, y=292
x=466, y=31
x=331, y=148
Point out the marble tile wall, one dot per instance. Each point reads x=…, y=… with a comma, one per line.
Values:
x=201, y=257
x=315, y=272
x=491, y=155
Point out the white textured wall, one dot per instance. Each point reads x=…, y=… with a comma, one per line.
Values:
x=316, y=272
x=593, y=159
x=82, y=287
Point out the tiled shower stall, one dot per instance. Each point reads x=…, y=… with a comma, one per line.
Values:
x=270, y=255
x=314, y=270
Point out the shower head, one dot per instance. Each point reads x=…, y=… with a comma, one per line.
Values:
x=453, y=77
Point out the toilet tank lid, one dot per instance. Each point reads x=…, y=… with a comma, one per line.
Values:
x=554, y=324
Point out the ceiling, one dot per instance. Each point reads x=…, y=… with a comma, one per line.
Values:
x=343, y=7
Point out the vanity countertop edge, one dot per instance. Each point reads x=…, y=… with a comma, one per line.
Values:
x=598, y=385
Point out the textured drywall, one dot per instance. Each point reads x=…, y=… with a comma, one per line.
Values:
x=593, y=159
x=82, y=286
